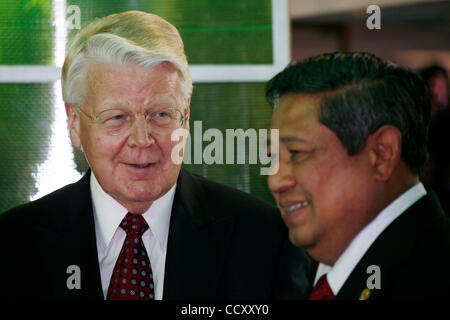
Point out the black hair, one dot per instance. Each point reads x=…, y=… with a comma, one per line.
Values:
x=361, y=93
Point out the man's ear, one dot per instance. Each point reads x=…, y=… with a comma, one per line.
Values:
x=187, y=113
x=73, y=122
x=385, y=151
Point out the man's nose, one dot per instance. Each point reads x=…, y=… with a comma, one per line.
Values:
x=140, y=135
x=283, y=180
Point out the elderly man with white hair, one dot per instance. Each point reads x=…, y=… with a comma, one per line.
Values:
x=137, y=225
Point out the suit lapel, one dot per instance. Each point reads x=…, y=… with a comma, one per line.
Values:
x=197, y=244
x=71, y=241
x=389, y=250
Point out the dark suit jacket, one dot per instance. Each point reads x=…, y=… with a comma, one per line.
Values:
x=413, y=254
x=223, y=244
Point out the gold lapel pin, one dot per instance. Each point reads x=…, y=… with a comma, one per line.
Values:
x=365, y=294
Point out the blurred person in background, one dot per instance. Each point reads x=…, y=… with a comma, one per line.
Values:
x=436, y=79
x=437, y=175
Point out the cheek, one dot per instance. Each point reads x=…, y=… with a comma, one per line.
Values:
x=315, y=177
x=111, y=147
x=271, y=185
x=166, y=146
x=340, y=189
x=328, y=184
x=97, y=147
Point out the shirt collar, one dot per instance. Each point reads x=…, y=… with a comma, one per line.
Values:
x=338, y=274
x=108, y=213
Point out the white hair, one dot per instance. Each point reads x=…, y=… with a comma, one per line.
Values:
x=136, y=37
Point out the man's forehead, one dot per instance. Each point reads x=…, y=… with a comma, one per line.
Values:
x=293, y=109
x=105, y=71
x=147, y=101
x=116, y=85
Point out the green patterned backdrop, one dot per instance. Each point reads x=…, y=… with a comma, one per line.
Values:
x=35, y=153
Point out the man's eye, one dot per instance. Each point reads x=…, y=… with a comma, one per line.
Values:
x=162, y=117
x=115, y=119
x=162, y=114
x=296, y=154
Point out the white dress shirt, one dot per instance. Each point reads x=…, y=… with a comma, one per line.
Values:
x=108, y=214
x=340, y=271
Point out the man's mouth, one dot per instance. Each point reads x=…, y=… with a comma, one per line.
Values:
x=145, y=165
x=140, y=165
x=295, y=206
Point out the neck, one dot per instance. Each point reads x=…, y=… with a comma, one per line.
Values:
x=135, y=206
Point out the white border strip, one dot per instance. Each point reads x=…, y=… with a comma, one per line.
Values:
x=200, y=73
x=254, y=73
x=29, y=74
x=281, y=34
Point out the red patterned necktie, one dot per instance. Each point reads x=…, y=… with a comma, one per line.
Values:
x=132, y=277
x=322, y=290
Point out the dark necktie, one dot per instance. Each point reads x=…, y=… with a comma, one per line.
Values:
x=322, y=290
x=132, y=277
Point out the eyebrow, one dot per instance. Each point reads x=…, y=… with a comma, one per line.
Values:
x=293, y=139
x=161, y=98
x=112, y=104
x=288, y=139
x=108, y=105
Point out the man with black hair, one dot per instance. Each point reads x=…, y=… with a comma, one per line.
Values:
x=353, y=134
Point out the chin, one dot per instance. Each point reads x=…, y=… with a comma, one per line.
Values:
x=135, y=194
x=300, y=239
x=144, y=196
x=138, y=207
x=295, y=239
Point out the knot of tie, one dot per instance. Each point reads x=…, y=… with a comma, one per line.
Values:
x=322, y=290
x=134, y=223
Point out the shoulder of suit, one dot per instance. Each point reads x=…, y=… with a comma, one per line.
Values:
x=436, y=233
x=429, y=259
x=226, y=196
x=38, y=210
x=435, y=222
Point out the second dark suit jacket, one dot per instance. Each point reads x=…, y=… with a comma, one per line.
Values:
x=413, y=256
x=222, y=244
